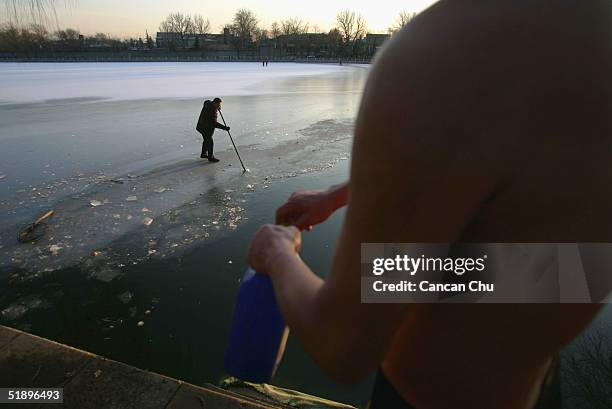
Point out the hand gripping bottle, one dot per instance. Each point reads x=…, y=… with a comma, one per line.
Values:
x=258, y=334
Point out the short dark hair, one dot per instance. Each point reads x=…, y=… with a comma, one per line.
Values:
x=217, y=100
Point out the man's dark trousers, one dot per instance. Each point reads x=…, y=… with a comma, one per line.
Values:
x=207, y=144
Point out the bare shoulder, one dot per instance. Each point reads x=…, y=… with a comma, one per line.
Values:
x=463, y=96
x=454, y=105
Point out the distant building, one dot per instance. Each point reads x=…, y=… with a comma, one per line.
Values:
x=166, y=39
x=306, y=44
x=99, y=45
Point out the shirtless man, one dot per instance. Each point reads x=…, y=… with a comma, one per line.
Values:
x=496, y=130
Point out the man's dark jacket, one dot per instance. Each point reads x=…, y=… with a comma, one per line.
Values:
x=208, y=119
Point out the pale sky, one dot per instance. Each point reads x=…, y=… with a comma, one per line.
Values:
x=124, y=18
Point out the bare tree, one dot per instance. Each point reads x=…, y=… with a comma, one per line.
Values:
x=40, y=35
x=345, y=21
x=245, y=26
x=352, y=26
x=68, y=35
x=404, y=18
x=70, y=39
x=178, y=25
x=293, y=26
x=334, y=38
x=361, y=28
x=402, y=21
x=262, y=35
x=200, y=26
x=275, y=30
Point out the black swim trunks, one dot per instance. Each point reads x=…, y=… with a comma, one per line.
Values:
x=385, y=396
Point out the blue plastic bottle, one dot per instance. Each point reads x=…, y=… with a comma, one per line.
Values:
x=258, y=334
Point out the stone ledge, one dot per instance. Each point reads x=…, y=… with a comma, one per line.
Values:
x=91, y=381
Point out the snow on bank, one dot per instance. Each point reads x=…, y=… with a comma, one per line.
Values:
x=36, y=82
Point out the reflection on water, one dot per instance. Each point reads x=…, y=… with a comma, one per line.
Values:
x=335, y=82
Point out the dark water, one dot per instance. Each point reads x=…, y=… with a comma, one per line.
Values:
x=190, y=298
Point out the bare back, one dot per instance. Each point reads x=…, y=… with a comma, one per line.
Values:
x=495, y=129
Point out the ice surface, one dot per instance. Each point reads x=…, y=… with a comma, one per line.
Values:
x=125, y=177
x=34, y=82
x=205, y=200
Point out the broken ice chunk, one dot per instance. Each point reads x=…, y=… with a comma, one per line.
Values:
x=14, y=312
x=125, y=297
x=106, y=275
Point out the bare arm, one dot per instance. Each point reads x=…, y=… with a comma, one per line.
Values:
x=307, y=208
x=338, y=195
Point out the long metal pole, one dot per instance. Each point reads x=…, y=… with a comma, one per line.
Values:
x=232, y=139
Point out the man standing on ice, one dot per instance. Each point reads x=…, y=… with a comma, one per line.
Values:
x=207, y=122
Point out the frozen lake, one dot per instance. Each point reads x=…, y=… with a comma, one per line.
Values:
x=46, y=82
x=89, y=143
x=122, y=136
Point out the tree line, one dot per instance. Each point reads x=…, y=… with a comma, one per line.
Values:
x=245, y=33
x=34, y=39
